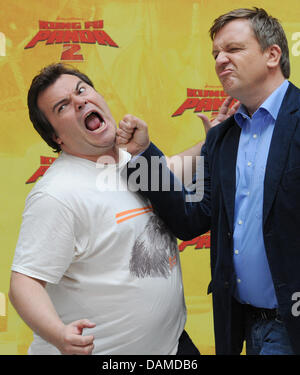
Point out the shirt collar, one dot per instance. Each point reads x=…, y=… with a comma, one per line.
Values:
x=272, y=105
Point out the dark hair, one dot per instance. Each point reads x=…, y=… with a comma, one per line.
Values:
x=41, y=82
x=266, y=28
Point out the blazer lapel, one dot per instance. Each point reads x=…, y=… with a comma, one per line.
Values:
x=227, y=162
x=279, y=147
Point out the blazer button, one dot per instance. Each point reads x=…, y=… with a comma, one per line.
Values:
x=226, y=284
x=229, y=235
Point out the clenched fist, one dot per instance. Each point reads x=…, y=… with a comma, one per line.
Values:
x=132, y=135
x=72, y=341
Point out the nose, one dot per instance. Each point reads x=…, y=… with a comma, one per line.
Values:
x=221, y=59
x=79, y=102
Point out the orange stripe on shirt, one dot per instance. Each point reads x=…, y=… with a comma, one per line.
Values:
x=132, y=216
x=122, y=213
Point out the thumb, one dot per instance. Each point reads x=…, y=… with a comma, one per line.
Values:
x=83, y=323
x=205, y=121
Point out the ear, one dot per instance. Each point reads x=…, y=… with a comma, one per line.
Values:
x=57, y=139
x=273, y=56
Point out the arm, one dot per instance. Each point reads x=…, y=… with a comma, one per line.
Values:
x=184, y=163
x=225, y=111
x=30, y=299
x=186, y=217
x=133, y=134
x=46, y=253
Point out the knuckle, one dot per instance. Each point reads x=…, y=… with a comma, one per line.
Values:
x=68, y=339
x=66, y=350
x=126, y=126
x=87, y=350
x=127, y=117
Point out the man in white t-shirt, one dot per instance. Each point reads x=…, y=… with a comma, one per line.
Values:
x=95, y=270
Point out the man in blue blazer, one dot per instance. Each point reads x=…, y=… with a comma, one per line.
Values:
x=251, y=199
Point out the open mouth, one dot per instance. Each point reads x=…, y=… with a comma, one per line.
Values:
x=94, y=121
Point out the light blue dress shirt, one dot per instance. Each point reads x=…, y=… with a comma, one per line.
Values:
x=253, y=276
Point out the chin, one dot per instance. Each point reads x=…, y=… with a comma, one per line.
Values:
x=230, y=90
x=227, y=84
x=108, y=145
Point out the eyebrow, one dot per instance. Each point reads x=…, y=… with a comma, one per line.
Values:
x=64, y=99
x=230, y=45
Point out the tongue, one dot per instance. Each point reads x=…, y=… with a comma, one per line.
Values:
x=92, y=122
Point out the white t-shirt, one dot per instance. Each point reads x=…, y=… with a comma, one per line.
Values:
x=105, y=256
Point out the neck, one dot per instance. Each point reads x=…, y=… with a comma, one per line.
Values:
x=110, y=156
x=253, y=100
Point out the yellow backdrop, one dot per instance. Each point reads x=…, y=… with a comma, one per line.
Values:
x=151, y=58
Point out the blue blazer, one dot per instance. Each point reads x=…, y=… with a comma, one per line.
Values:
x=215, y=212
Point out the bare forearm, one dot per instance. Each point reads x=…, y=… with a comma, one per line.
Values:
x=33, y=304
x=187, y=168
x=30, y=299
